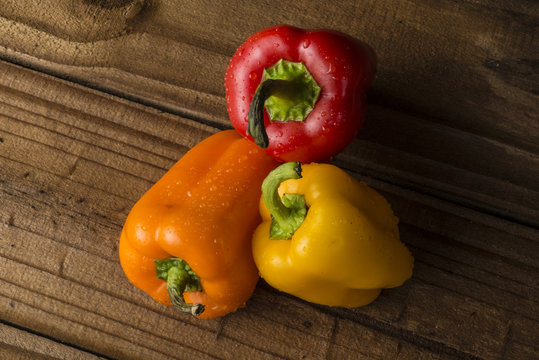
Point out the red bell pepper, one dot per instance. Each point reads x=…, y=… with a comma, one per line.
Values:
x=300, y=94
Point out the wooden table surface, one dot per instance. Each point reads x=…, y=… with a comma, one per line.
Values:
x=99, y=98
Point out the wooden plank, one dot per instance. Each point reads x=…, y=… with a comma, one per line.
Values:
x=463, y=71
x=473, y=295
x=385, y=349
x=19, y=344
x=443, y=162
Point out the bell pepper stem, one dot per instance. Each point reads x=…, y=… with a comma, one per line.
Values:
x=289, y=212
x=288, y=92
x=255, y=126
x=180, y=278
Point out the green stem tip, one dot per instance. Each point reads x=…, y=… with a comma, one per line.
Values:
x=288, y=212
x=180, y=278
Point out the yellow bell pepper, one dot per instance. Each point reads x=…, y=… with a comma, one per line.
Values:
x=327, y=238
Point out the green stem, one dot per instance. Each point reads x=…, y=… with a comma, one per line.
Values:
x=289, y=212
x=287, y=91
x=255, y=126
x=180, y=278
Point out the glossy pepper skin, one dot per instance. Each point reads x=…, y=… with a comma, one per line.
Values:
x=203, y=211
x=342, y=67
x=344, y=250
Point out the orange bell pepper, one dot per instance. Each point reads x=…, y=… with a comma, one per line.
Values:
x=193, y=228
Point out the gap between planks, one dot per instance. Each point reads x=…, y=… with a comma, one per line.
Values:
x=39, y=344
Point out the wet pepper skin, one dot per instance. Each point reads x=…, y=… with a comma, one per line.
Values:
x=346, y=249
x=203, y=210
x=342, y=66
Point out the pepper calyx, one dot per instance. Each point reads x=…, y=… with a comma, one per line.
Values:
x=180, y=278
x=287, y=91
x=288, y=212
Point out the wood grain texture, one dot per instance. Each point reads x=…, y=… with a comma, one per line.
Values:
x=99, y=98
x=18, y=344
x=75, y=160
x=453, y=110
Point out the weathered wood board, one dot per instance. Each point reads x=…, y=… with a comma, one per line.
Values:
x=99, y=98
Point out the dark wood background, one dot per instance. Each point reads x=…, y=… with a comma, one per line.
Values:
x=99, y=98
